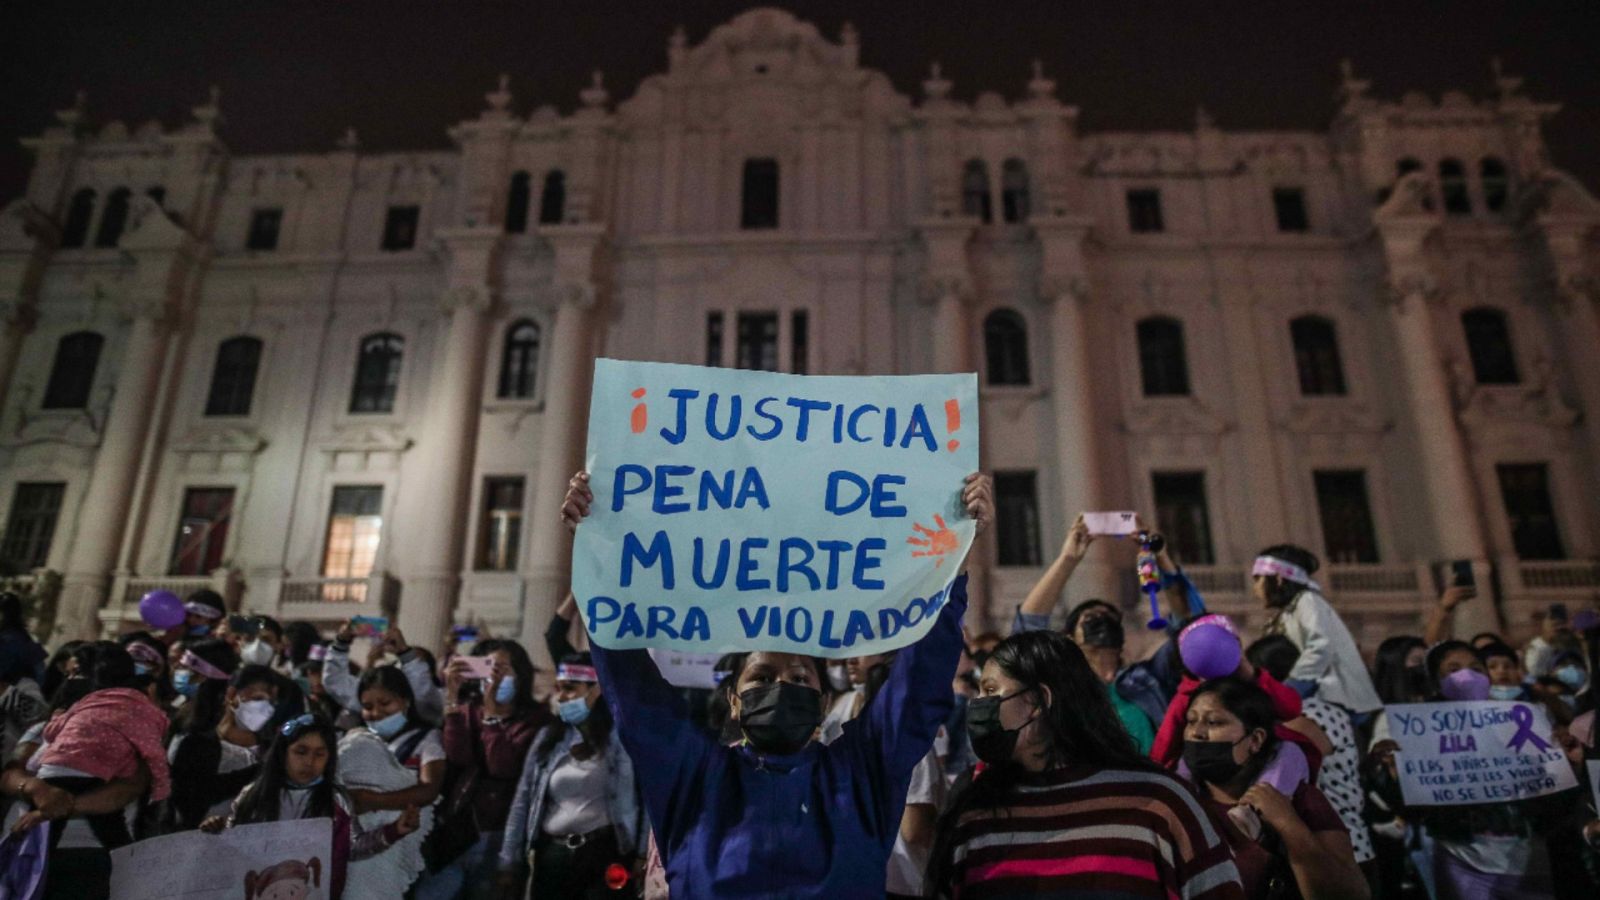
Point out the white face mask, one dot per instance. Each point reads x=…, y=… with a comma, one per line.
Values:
x=253, y=714
x=257, y=653
x=839, y=677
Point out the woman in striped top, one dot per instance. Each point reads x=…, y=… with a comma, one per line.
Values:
x=1065, y=806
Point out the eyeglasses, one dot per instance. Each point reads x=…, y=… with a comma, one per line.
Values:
x=297, y=723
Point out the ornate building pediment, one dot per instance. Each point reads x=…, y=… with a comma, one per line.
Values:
x=1334, y=417
x=367, y=439
x=220, y=440
x=1176, y=415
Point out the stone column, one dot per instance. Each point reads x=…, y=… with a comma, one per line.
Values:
x=25, y=228
x=439, y=526
x=948, y=296
x=16, y=320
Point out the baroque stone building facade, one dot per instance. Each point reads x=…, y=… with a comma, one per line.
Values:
x=351, y=381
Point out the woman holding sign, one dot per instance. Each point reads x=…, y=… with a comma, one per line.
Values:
x=779, y=814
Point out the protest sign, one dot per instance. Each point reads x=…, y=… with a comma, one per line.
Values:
x=271, y=860
x=1485, y=751
x=738, y=510
x=687, y=670
x=1594, y=780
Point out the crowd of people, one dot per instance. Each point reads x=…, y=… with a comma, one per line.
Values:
x=1043, y=763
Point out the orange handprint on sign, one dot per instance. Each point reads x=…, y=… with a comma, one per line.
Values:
x=935, y=543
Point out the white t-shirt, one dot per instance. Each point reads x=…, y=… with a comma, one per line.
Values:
x=906, y=863
x=431, y=749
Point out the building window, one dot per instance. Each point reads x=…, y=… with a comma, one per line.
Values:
x=517, y=201
x=202, y=531
x=975, y=201
x=1144, y=211
x=72, y=373
x=800, y=342
x=1346, y=516
x=759, y=195
x=1453, y=188
x=1525, y=488
x=34, y=509
x=1014, y=190
x=264, y=225
x=553, y=198
x=501, y=526
x=758, y=342
x=1016, y=510
x=1489, y=345
x=1183, y=516
x=519, y=363
x=1496, y=183
x=114, y=219
x=1289, y=205
x=355, y=525
x=1005, y=344
x=714, y=339
x=377, y=373
x=1163, y=367
x=400, y=227
x=79, y=214
x=233, y=379
x=1316, y=356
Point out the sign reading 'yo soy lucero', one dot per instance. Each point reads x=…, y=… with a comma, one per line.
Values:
x=1476, y=751
x=738, y=510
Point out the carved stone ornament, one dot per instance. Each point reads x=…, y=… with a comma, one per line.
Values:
x=936, y=287
x=1419, y=284
x=475, y=297
x=144, y=304
x=17, y=312
x=579, y=294
x=1063, y=287
x=220, y=440
x=1538, y=402
x=1334, y=416
x=1175, y=415
x=368, y=439
x=1574, y=290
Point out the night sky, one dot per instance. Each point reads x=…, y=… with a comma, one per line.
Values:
x=293, y=75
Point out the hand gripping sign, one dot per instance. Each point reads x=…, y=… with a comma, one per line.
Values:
x=739, y=510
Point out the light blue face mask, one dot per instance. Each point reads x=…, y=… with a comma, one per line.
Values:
x=507, y=691
x=388, y=726
x=574, y=711
x=183, y=682
x=199, y=630
x=1571, y=676
x=302, y=787
x=141, y=669
x=1504, y=691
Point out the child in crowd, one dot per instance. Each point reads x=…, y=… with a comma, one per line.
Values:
x=390, y=711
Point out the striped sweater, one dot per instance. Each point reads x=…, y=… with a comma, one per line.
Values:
x=1081, y=833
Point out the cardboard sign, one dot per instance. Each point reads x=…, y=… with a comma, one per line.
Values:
x=273, y=859
x=738, y=510
x=1484, y=751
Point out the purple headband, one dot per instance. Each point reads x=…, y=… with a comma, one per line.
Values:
x=196, y=664
x=202, y=610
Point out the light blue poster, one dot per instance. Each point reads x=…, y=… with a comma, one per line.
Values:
x=738, y=510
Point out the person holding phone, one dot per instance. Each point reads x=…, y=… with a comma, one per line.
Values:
x=415, y=662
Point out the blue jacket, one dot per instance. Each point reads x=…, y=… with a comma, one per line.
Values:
x=731, y=822
x=528, y=807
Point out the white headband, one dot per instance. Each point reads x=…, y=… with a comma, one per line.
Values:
x=1271, y=565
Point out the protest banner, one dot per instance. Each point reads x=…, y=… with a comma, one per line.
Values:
x=271, y=860
x=687, y=670
x=738, y=510
x=1484, y=751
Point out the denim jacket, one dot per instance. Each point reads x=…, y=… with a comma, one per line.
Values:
x=528, y=807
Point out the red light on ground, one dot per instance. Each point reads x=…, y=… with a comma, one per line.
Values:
x=616, y=876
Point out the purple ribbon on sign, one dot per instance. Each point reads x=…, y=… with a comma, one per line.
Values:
x=1523, y=716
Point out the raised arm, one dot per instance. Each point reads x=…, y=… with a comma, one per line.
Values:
x=336, y=678
x=1442, y=617
x=1034, y=615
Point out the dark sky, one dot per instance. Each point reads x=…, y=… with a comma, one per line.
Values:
x=293, y=75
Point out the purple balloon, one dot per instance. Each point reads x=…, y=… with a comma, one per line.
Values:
x=1209, y=651
x=162, y=609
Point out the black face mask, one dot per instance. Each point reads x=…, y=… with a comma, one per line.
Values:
x=1212, y=761
x=993, y=742
x=780, y=718
x=1104, y=632
x=1416, y=683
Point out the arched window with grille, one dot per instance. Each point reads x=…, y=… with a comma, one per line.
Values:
x=233, y=378
x=1494, y=360
x=1496, y=183
x=975, y=198
x=519, y=362
x=1163, y=365
x=553, y=198
x=1014, y=190
x=517, y=203
x=72, y=373
x=114, y=219
x=1005, y=343
x=1316, y=356
x=1453, y=188
x=377, y=373
x=80, y=212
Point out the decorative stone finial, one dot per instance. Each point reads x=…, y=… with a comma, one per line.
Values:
x=1507, y=85
x=595, y=95
x=209, y=113
x=848, y=35
x=1040, y=86
x=500, y=98
x=1351, y=88
x=72, y=115
x=936, y=87
x=1203, y=120
x=348, y=141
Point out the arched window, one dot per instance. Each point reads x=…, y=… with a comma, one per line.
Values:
x=1005, y=344
x=114, y=219
x=79, y=214
x=553, y=199
x=233, y=378
x=1496, y=183
x=1489, y=344
x=517, y=203
x=1316, y=356
x=519, y=362
x=72, y=373
x=1014, y=190
x=975, y=200
x=377, y=373
x=1163, y=366
x=758, y=197
x=1453, y=188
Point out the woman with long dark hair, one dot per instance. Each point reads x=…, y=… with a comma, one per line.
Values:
x=576, y=811
x=1398, y=671
x=1303, y=849
x=1065, y=802
x=212, y=757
